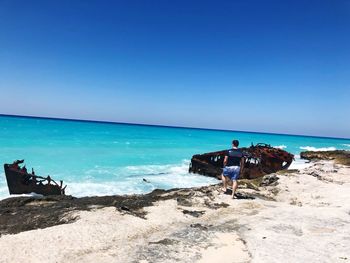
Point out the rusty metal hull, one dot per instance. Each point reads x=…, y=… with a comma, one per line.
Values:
x=20, y=182
x=260, y=159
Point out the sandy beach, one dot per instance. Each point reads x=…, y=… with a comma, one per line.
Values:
x=304, y=216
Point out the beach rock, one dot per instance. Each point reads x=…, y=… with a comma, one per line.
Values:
x=19, y=214
x=338, y=156
x=200, y=226
x=194, y=213
x=270, y=179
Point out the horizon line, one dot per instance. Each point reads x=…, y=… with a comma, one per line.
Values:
x=163, y=126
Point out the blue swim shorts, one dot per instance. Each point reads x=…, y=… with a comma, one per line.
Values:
x=232, y=172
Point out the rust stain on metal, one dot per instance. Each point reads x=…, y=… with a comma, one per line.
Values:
x=260, y=159
x=19, y=181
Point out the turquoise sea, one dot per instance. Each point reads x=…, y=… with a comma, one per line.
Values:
x=107, y=158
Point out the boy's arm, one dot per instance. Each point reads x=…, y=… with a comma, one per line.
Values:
x=225, y=160
x=242, y=165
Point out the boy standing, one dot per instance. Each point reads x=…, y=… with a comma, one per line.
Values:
x=233, y=166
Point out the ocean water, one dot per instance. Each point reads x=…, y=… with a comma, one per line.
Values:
x=104, y=158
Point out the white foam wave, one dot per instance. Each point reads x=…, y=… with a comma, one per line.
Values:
x=310, y=148
x=137, y=185
x=299, y=163
x=130, y=180
x=4, y=193
x=280, y=147
x=347, y=145
x=158, y=169
x=26, y=195
x=80, y=189
x=107, y=180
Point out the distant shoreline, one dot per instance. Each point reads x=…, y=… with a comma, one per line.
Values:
x=164, y=126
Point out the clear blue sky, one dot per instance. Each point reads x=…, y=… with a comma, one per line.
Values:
x=268, y=66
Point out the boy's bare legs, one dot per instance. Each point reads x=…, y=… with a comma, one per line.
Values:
x=224, y=182
x=234, y=187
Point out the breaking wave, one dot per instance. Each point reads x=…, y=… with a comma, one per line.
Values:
x=299, y=163
x=280, y=147
x=4, y=192
x=139, y=179
x=310, y=148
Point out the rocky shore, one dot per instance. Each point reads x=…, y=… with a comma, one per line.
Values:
x=338, y=156
x=291, y=216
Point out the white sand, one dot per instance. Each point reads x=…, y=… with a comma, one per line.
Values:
x=309, y=222
x=226, y=248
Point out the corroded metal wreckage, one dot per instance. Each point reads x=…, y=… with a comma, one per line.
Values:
x=19, y=181
x=260, y=159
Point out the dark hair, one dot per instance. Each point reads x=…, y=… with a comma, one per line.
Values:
x=235, y=143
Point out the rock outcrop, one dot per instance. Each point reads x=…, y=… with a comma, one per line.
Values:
x=338, y=156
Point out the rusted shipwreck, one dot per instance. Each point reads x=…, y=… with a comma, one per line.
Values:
x=260, y=159
x=19, y=181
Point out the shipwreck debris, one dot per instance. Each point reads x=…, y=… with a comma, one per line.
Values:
x=19, y=181
x=260, y=159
